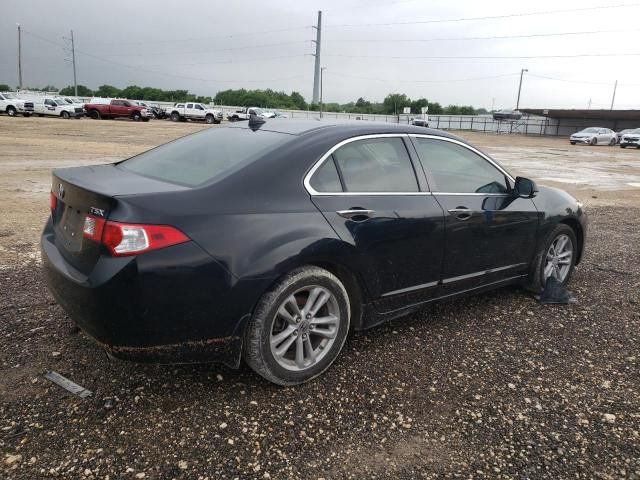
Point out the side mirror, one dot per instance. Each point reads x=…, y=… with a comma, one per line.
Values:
x=525, y=188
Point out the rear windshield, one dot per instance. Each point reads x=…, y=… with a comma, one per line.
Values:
x=206, y=156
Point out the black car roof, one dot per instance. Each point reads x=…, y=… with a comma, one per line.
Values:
x=350, y=127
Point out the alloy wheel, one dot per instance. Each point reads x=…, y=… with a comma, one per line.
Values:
x=304, y=328
x=559, y=258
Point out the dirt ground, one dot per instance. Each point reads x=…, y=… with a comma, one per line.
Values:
x=494, y=386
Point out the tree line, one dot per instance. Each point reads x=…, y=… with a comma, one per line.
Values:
x=393, y=103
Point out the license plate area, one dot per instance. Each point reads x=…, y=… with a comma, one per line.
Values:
x=70, y=228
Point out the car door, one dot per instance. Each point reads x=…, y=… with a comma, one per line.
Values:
x=189, y=110
x=198, y=111
x=367, y=189
x=49, y=107
x=117, y=108
x=490, y=233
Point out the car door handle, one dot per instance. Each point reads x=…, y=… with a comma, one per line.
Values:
x=461, y=213
x=356, y=212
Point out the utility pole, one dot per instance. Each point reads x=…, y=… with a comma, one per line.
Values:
x=589, y=105
x=613, y=99
x=73, y=56
x=19, y=58
x=316, y=72
x=321, y=77
x=520, y=87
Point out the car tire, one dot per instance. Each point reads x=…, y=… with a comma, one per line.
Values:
x=623, y=146
x=26, y=115
x=11, y=111
x=572, y=143
x=65, y=115
x=234, y=119
x=217, y=122
x=136, y=117
x=536, y=280
x=95, y=114
x=209, y=119
x=267, y=329
x=175, y=117
x=612, y=142
x=594, y=141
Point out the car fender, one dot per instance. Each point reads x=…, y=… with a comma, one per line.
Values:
x=557, y=206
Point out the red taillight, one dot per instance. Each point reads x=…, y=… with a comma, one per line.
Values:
x=52, y=202
x=122, y=239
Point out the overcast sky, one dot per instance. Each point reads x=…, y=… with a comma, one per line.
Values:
x=205, y=46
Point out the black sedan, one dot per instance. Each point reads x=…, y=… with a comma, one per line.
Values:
x=270, y=241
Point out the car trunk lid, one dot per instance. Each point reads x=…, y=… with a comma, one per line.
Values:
x=94, y=191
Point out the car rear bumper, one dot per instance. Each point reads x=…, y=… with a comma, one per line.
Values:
x=174, y=305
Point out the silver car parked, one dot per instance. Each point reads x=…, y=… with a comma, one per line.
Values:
x=594, y=136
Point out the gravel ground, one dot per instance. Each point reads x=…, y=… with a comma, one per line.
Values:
x=495, y=386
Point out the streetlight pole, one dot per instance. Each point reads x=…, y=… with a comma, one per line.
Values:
x=520, y=87
x=321, y=77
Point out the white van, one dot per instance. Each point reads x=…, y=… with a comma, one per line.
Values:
x=56, y=108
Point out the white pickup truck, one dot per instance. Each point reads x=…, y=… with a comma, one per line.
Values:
x=56, y=107
x=245, y=113
x=194, y=111
x=13, y=105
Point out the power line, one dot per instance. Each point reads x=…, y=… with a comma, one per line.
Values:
x=484, y=57
x=493, y=37
x=487, y=17
x=230, y=49
x=217, y=37
x=387, y=80
x=142, y=69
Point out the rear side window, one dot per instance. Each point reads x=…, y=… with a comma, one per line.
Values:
x=326, y=178
x=206, y=156
x=376, y=165
x=456, y=169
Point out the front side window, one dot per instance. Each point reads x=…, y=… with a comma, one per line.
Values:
x=189, y=105
x=376, y=165
x=456, y=169
x=199, y=107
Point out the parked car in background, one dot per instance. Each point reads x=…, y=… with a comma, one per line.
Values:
x=631, y=138
x=622, y=132
x=72, y=100
x=116, y=108
x=594, y=136
x=13, y=105
x=420, y=122
x=245, y=113
x=194, y=111
x=277, y=114
x=157, y=111
x=507, y=115
x=56, y=107
x=165, y=257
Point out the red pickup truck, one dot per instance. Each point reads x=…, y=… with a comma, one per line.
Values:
x=118, y=109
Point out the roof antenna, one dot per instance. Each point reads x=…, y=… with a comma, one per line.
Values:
x=255, y=121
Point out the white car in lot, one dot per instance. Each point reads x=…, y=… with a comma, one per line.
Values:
x=594, y=136
x=13, y=105
x=194, y=111
x=630, y=138
x=56, y=107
